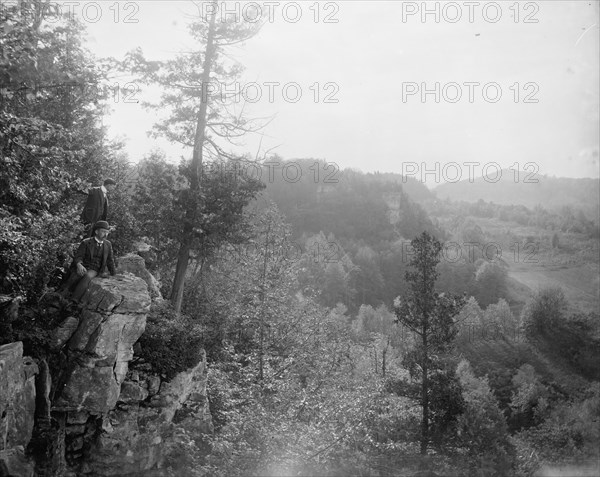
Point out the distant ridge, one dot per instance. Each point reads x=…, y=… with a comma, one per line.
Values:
x=415, y=189
x=549, y=192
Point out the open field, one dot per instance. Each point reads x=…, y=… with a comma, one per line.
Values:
x=533, y=264
x=579, y=283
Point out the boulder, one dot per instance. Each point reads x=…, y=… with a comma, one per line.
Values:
x=101, y=347
x=63, y=333
x=114, y=337
x=114, y=418
x=123, y=293
x=17, y=408
x=19, y=434
x=175, y=393
x=89, y=389
x=88, y=323
x=153, y=384
x=131, y=442
x=11, y=368
x=14, y=463
x=135, y=264
x=132, y=392
x=75, y=418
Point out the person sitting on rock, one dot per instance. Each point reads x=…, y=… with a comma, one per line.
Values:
x=93, y=257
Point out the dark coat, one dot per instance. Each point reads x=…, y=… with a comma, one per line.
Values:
x=96, y=206
x=84, y=254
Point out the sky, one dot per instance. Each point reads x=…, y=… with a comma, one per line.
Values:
x=405, y=87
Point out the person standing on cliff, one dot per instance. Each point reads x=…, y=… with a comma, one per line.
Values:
x=93, y=258
x=96, y=205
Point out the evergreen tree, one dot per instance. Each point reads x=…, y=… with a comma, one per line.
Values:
x=201, y=116
x=428, y=314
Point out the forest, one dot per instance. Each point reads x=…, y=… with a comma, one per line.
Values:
x=352, y=324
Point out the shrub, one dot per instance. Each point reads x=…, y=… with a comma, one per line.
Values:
x=482, y=427
x=33, y=250
x=544, y=311
x=171, y=343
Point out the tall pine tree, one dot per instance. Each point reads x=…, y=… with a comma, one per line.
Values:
x=428, y=314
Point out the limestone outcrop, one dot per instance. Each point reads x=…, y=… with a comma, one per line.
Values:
x=98, y=410
x=134, y=263
x=135, y=434
x=116, y=419
x=17, y=408
x=113, y=319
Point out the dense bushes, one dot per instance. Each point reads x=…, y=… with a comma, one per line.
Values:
x=573, y=338
x=51, y=141
x=570, y=434
x=171, y=343
x=482, y=427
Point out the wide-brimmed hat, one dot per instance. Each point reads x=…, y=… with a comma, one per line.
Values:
x=101, y=224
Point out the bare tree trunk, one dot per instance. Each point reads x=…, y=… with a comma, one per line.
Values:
x=384, y=354
x=425, y=397
x=375, y=357
x=179, y=279
x=262, y=303
x=191, y=213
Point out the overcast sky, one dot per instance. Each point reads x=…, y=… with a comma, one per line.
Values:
x=372, y=61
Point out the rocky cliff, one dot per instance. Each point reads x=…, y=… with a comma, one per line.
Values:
x=98, y=410
x=17, y=408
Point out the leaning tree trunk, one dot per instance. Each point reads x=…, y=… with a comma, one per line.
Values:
x=192, y=210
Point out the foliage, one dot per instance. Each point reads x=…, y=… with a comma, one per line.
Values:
x=370, y=216
x=243, y=290
x=500, y=316
x=326, y=272
x=34, y=251
x=574, y=338
x=154, y=206
x=482, y=427
x=124, y=225
x=428, y=314
x=468, y=321
x=568, y=203
x=545, y=310
x=457, y=276
x=555, y=240
x=171, y=343
x=446, y=405
x=424, y=311
x=530, y=400
x=490, y=279
x=570, y=434
x=305, y=415
x=333, y=423
x=303, y=396
x=305, y=373
x=50, y=140
x=159, y=204
x=200, y=119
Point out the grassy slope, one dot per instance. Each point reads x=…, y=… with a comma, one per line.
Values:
x=574, y=267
